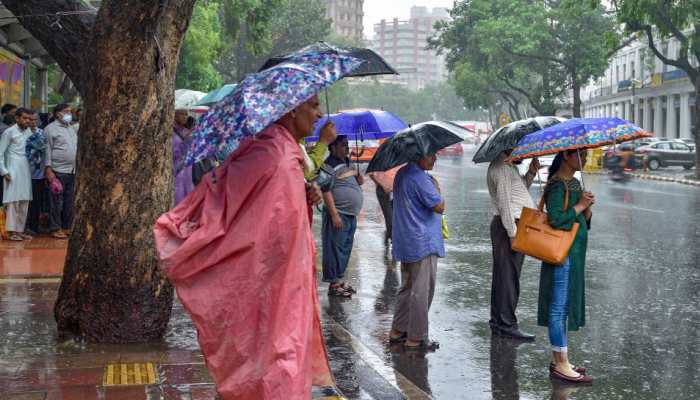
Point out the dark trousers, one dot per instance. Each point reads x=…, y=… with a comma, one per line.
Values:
x=505, y=284
x=61, y=215
x=337, y=246
x=36, y=206
x=384, y=199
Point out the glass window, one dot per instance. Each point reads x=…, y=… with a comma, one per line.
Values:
x=663, y=146
x=680, y=146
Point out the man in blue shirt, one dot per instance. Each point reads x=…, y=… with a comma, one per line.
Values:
x=417, y=243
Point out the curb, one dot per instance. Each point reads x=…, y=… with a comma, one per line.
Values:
x=653, y=178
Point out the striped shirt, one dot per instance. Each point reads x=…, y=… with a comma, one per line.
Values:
x=508, y=192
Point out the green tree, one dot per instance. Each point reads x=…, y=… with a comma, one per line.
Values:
x=660, y=20
x=203, y=44
x=535, y=50
x=279, y=26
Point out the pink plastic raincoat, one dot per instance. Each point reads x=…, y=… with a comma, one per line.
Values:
x=241, y=255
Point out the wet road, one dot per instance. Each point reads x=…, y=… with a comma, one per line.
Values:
x=642, y=339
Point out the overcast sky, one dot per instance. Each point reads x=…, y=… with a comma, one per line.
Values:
x=376, y=10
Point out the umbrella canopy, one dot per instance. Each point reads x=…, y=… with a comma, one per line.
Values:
x=361, y=125
x=216, y=95
x=508, y=136
x=415, y=142
x=263, y=98
x=374, y=65
x=577, y=133
x=186, y=99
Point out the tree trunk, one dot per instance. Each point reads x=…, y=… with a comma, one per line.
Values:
x=576, y=88
x=112, y=289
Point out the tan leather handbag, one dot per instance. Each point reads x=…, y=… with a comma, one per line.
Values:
x=536, y=238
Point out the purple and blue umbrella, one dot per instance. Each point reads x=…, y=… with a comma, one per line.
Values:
x=261, y=99
x=361, y=125
x=577, y=134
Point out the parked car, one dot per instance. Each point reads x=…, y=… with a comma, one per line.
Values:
x=667, y=153
x=689, y=141
x=455, y=150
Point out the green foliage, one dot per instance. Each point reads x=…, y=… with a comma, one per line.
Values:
x=202, y=45
x=283, y=26
x=520, y=49
x=659, y=20
x=433, y=102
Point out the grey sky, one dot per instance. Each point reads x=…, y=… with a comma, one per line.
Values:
x=376, y=10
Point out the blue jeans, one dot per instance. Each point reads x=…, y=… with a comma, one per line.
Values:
x=559, y=307
x=337, y=246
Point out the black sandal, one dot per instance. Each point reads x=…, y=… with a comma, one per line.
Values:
x=348, y=288
x=338, y=291
x=425, y=345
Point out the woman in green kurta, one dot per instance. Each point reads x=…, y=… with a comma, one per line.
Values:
x=562, y=287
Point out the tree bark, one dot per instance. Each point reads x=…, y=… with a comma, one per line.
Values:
x=112, y=289
x=576, y=88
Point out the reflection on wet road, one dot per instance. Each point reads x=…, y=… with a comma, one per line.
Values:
x=642, y=338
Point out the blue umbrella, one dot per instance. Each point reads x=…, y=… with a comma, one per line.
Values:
x=216, y=95
x=261, y=99
x=361, y=125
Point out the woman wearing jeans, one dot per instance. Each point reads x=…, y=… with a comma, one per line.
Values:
x=562, y=291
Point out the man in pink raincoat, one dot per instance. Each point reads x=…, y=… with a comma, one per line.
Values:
x=240, y=252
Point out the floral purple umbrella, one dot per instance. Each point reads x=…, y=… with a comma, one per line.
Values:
x=261, y=99
x=577, y=134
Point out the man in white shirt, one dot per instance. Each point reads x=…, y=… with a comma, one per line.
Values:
x=509, y=194
x=62, y=138
x=16, y=175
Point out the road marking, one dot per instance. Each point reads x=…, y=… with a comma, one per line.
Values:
x=628, y=207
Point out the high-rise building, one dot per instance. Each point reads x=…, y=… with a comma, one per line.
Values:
x=403, y=44
x=346, y=17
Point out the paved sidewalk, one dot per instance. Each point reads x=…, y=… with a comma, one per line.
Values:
x=35, y=366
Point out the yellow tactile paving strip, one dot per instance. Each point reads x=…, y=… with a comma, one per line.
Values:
x=129, y=374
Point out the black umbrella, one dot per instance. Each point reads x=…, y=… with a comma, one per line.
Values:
x=415, y=142
x=508, y=136
x=374, y=65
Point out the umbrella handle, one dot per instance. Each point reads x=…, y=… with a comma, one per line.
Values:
x=328, y=106
x=580, y=165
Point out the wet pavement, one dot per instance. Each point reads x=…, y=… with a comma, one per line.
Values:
x=641, y=341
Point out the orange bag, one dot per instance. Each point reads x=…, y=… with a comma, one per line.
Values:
x=536, y=238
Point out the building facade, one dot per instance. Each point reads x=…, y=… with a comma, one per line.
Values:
x=403, y=45
x=638, y=87
x=346, y=17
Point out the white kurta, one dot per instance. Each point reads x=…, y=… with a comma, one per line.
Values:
x=13, y=160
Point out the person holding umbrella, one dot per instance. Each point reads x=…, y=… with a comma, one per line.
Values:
x=417, y=240
x=509, y=194
x=239, y=248
x=561, y=296
x=561, y=304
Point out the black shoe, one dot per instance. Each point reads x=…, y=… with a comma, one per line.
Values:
x=513, y=333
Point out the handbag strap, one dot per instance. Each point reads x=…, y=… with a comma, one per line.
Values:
x=566, y=197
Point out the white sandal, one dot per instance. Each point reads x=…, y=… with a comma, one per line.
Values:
x=15, y=237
